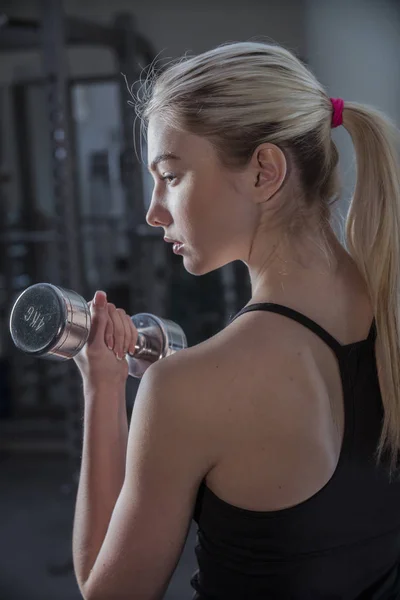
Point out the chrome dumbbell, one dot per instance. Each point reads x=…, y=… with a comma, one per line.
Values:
x=51, y=322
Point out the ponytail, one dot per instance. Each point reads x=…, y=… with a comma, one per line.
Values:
x=373, y=240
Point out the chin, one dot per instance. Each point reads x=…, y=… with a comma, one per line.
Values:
x=195, y=269
x=199, y=267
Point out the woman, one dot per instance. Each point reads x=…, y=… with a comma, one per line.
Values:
x=278, y=435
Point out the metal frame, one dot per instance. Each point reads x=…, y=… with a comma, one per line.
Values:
x=52, y=34
x=25, y=34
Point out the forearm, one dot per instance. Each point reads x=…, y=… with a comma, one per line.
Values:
x=105, y=438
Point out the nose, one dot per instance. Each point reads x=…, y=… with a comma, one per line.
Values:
x=157, y=215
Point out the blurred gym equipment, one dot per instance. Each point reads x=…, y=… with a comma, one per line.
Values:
x=73, y=199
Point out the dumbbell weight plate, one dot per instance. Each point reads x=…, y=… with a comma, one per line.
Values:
x=50, y=322
x=158, y=338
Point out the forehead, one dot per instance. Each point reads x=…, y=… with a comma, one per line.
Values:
x=163, y=139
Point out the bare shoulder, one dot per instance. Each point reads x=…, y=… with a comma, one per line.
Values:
x=250, y=359
x=251, y=392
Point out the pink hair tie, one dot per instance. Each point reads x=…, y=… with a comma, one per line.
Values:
x=337, y=117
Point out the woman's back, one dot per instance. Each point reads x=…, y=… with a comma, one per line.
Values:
x=294, y=507
x=278, y=390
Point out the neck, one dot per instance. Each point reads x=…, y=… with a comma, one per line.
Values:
x=286, y=268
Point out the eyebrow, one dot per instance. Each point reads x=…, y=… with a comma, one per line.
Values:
x=161, y=158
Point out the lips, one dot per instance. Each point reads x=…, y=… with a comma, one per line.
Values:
x=172, y=241
x=177, y=248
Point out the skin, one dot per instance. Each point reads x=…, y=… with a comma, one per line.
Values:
x=222, y=215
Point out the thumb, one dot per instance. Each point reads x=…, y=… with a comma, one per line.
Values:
x=99, y=316
x=100, y=300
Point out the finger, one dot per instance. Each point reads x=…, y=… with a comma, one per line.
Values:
x=127, y=330
x=134, y=335
x=119, y=330
x=109, y=333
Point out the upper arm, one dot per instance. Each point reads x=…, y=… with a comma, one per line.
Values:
x=168, y=455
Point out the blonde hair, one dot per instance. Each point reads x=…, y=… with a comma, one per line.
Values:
x=240, y=95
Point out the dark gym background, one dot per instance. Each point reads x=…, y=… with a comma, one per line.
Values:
x=73, y=198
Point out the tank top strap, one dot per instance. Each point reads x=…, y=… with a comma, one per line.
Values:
x=372, y=332
x=296, y=316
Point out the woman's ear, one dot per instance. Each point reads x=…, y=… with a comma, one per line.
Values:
x=271, y=167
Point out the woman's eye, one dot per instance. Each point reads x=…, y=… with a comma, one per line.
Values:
x=169, y=178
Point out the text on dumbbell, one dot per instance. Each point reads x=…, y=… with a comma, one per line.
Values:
x=35, y=318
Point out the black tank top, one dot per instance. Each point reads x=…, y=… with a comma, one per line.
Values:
x=343, y=542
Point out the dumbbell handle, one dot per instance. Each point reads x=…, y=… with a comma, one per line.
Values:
x=142, y=348
x=140, y=344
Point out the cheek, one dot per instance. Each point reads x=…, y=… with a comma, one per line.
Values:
x=192, y=206
x=211, y=212
x=227, y=213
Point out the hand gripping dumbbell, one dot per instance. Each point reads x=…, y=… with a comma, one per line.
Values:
x=51, y=322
